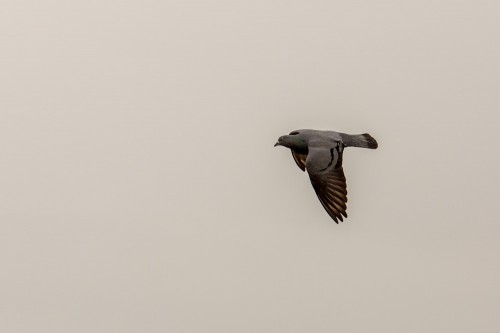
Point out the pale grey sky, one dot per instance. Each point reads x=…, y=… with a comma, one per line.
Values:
x=140, y=190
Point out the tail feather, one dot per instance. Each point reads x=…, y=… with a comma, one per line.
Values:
x=360, y=140
x=370, y=141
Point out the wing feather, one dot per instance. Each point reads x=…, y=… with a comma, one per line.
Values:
x=300, y=159
x=328, y=180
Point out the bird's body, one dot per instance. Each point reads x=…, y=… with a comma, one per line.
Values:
x=320, y=153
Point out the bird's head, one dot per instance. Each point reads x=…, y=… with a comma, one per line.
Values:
x=295, y=140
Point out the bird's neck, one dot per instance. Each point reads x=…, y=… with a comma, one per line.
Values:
x=300, y=149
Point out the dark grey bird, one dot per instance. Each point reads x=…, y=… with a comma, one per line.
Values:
x=320, y=153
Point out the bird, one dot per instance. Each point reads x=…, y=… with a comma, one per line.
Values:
x=320, y=153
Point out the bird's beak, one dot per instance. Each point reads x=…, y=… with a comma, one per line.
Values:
x=276, y=144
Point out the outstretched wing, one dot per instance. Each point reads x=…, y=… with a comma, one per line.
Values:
x=324, y=166
x=300, y=159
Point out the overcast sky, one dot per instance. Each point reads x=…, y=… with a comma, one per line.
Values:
x=140, y=190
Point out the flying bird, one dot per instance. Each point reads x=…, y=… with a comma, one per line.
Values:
x=320, y=153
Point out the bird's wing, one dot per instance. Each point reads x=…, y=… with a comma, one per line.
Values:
x=324, y=166
x=300, y=159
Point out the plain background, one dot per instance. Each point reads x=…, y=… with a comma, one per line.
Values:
x=140, y=190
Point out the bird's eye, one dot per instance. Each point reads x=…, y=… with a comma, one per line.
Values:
x=294, y=133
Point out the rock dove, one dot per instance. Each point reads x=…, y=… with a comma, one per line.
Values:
x=320, y=153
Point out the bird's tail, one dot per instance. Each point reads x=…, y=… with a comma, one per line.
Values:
x=360, y=140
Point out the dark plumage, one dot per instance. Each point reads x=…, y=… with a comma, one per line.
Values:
x=320, y=153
